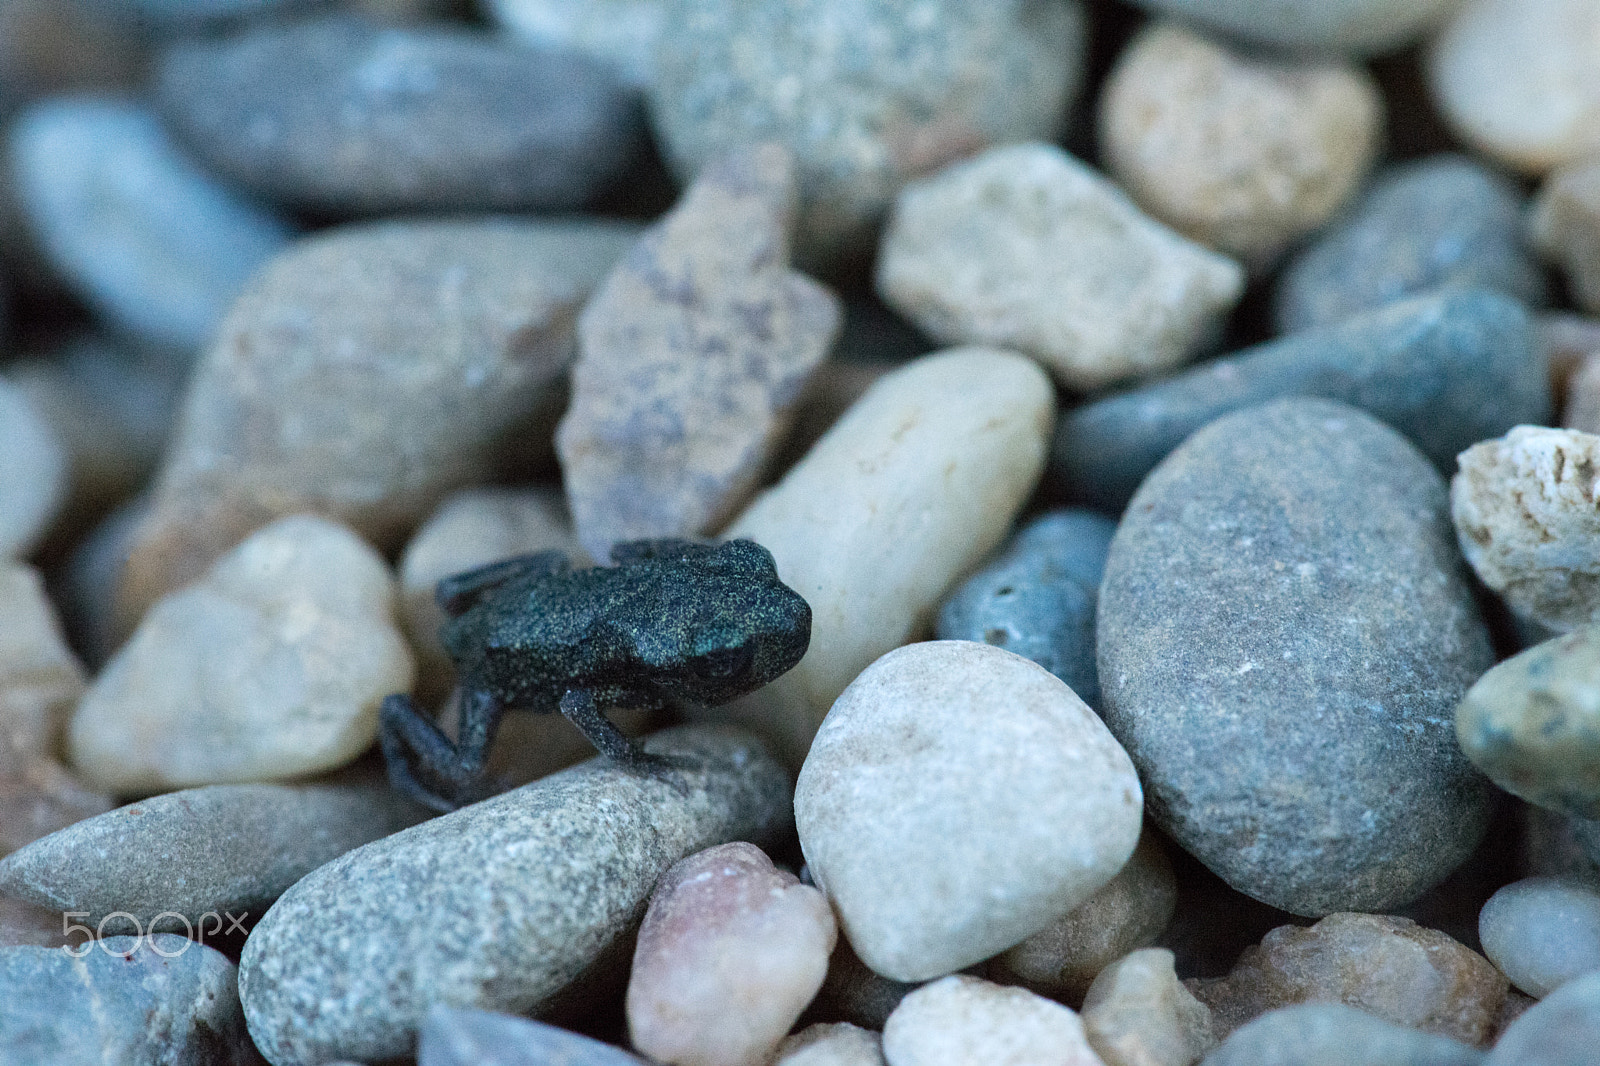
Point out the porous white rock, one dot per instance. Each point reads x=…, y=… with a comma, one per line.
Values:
x=1136, y=1013
x=962, y=1020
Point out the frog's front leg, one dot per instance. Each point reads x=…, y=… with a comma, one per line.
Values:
x=424, y=765
x=579, y=707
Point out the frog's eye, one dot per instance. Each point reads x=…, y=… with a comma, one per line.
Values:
x=724, y=662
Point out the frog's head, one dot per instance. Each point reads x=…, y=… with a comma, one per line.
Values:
x=737, y=628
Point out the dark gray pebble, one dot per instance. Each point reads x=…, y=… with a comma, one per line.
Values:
x=1447, y=370
x=1563, y=1029
x=1444, y=222
x=1331, y=1034
x=451, y=1036
x=129, y=1001
x=1037, y=597
x=338, y=115
x=1285, y=628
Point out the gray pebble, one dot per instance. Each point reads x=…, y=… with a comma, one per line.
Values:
x=1563, y=1029
x=1444, y=222
x=1542, y=932
x=1359, y=26
x=499, y=905
x=1037, y=597
x=451, y=1036
x=129, y=1001
x=201, y=853
x=339, y=115
x=1284, y=630
x=153, y=243
x=1331, y=1034
x=181, y=15
x=1447, y=370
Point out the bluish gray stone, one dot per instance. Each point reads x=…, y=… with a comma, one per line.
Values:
x=1563, y=1029
x=1447, y=370
x=451, y=1036
x=1443, y=222
x=1036, y=597
x=500, y=905
x=150, y=241
x=340, y=115
x=186, y=14
x=128, y=1001
x=1285, y=629
x=1331, y=1034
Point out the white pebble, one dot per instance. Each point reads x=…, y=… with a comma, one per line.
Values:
x=962, y=1021
x=1542, y=932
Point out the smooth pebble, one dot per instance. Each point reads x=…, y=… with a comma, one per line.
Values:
x=962, y=1020
x=1563, y=1029
x=1136, y=1013
x=1565, y=226
x=456, y=1036
x=1330, y=1034
x=1356, y=26
x=33, y=472
x=621, y=33
x=831, y=1044
x=1542, y=932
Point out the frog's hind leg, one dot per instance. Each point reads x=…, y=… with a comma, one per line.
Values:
x=459, y=592
x=424, y=764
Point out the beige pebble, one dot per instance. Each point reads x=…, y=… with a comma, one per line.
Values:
x=1137, y=1014
x=831, y=1044
x=963, y=1021
x=33, y=472
x=917, y=482
x=1565, y=227
x=730, y=952
x=1525, y=515
x=1131, y=911
x=40, y=679
x=1517, y=79
x=1582, y=409
x=1241, y=152
x=1390, y=968
x=270, y=667
x=957, y=799
x=1027, y=247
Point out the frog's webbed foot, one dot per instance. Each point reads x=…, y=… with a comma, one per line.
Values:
x=425, y=765
x=459, y=592
x=578, y=706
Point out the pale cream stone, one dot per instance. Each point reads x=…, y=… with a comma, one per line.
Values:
x=831, y=1044
x=1137, y=1014
x=963, y=1021
x=1525, y=513
x=730, y=952
x=909, y=490
x=270, y=667
x=1027, y=247
x=1240, y=152
x=33, y=472
x=1517, y=79
x=40, y=678
x=957, y=799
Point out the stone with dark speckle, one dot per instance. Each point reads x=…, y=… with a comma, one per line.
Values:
x=1285, y=628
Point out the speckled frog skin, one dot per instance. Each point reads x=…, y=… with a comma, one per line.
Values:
x=671, y=622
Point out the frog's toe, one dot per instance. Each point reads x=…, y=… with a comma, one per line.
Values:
x=424, y=766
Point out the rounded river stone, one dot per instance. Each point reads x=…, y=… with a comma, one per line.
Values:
x=1284, y=631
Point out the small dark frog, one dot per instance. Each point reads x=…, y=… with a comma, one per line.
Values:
x=671, y=622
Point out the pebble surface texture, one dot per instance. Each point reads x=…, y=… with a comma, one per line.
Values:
x=1288, y=708
x=364, y=374
x=730, y=952
x=865, y=93
x=343, y=116
x=1514, y=79
x=1542, y=932
x=835, y=1044
x=947, y=822
x=1563, y=1029
x=1565, y=227
x=33, y=472
x=499, y=905
x=1029, y=248
x=1241, y=153
x=1329, y=1034
x=147, y=238
x=692, y=356
x=1137, y=1014
x=1131, y=911
x=1447, y=370
x=910, y=489
x=1532, y=723
x=160, y=999
x=1357, y=26
x=1441, y=222
x=451, y=1036
x=238, y=847
x=1391, y=968
x=269, y=668
x=1037, y=597
x=962, y=1020
x=1525, y=514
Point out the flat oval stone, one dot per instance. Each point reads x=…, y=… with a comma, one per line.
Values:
x=340, y=115
x=1533, y=724
x=499, y=905
x=451, y=1036
x=1447, y=370
x=1285, y=627
x=1331, y=1034
x=1542, y=932
x=957, y=799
